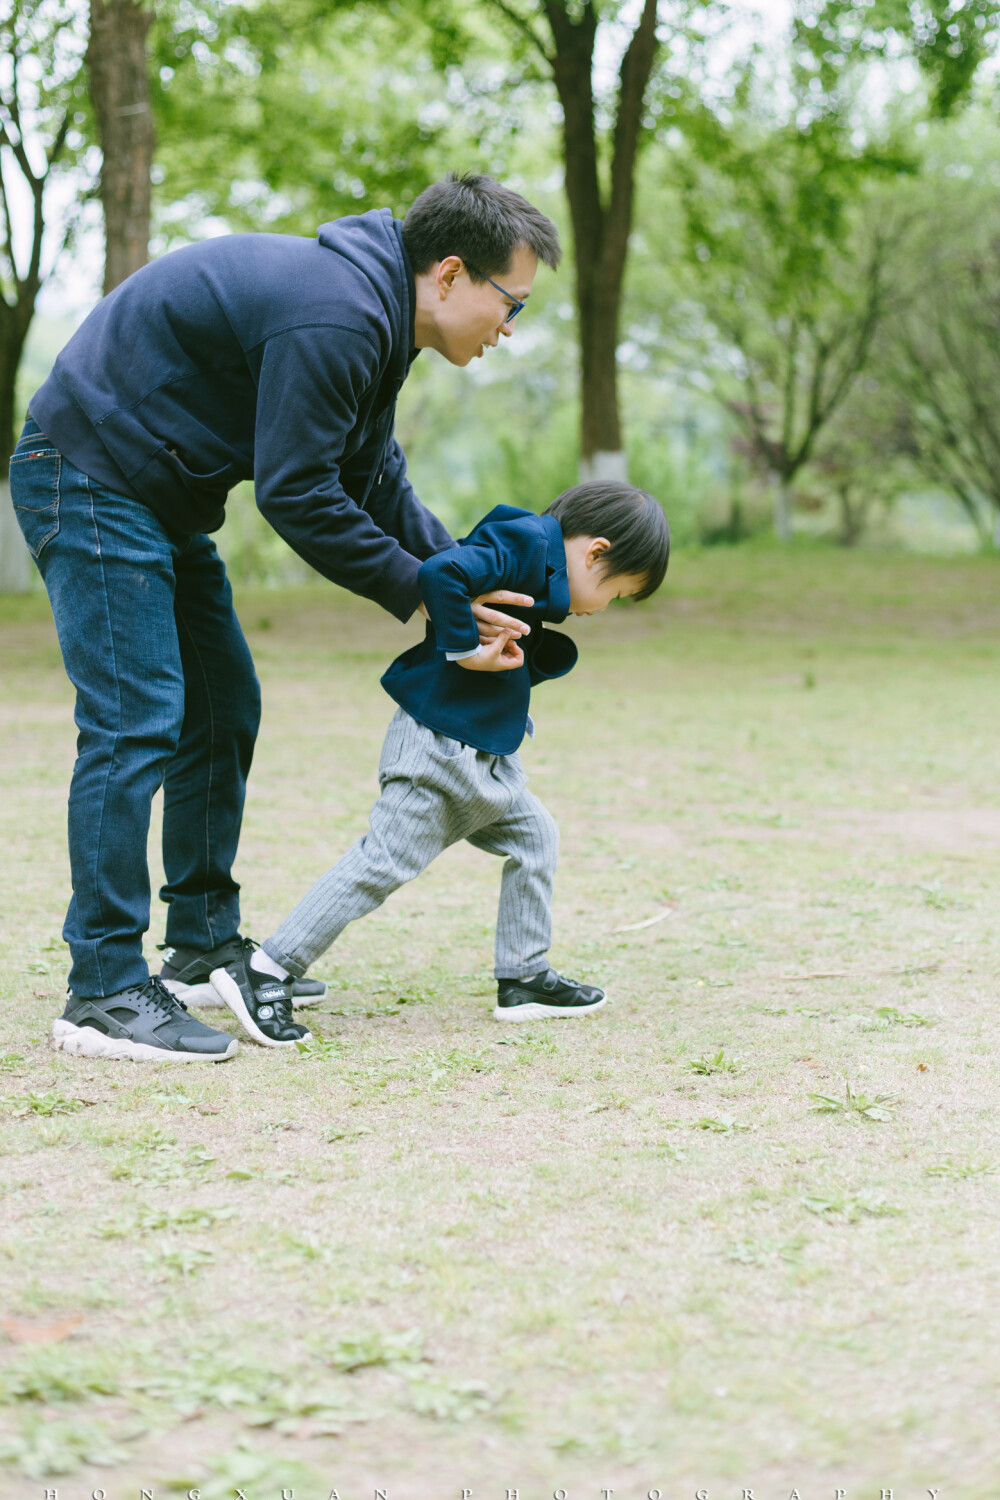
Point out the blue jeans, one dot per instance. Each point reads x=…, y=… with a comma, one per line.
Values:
x=166, y=695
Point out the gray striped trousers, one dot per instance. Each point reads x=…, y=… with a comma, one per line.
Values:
x=435, y=791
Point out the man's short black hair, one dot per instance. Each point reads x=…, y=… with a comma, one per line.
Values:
x=479, y=220
x=632, y=521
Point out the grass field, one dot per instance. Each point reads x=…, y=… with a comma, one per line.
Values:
x=633, y=1251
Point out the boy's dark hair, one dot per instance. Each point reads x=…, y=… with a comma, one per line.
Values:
x=481, y=221
x=632, y=521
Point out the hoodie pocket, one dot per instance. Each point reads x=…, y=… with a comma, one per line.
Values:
x=217, y=483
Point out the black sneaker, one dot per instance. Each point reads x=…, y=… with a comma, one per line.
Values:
x=545, y=995
x=143, y=1023
x=262, y=1003
x=186, y=974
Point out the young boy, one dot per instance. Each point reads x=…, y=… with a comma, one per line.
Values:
x=450, y=769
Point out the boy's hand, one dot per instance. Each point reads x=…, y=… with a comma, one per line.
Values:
x=492, y=623
x=501, y=655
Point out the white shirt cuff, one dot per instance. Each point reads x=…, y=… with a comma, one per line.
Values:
x=461, y=655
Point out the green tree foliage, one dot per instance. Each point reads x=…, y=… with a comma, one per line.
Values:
x=788, y=272
x=950, y=39
x=939, y=356
x=281, y=116
x=778, y=230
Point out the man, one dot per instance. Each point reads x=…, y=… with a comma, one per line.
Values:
x=251, y=356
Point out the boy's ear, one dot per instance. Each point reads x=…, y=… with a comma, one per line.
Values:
x=596, y=550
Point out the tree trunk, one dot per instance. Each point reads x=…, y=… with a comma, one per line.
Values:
x=600, y=229
x=601, y=455
x=851, y=517
x=735, y=524
x=119, y=88
x=783, y=508
x=15, y=563
x=14, y=324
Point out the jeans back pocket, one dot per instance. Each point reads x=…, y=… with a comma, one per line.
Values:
x=35, y=468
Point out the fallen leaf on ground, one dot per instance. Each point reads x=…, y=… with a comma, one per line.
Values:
x=649, y=922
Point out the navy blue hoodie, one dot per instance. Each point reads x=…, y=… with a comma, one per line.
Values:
x=265, y=357
x=508, y=549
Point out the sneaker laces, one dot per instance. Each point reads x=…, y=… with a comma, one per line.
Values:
x=156, y=994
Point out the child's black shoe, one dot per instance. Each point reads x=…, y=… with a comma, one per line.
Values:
x=186, y=973
x=261, y=1003
x=546, y=995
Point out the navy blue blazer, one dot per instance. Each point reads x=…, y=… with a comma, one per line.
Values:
x=263, y=357
x=508, y=549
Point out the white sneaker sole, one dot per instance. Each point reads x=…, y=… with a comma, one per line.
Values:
x=537, y=1010
x=201, y=996
x=205, y=996
x=84, y=1041
x=231, y=993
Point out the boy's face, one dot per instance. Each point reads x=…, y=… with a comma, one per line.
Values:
x=590, y=590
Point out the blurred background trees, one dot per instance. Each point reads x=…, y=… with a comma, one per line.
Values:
x=781, y=305
x=938, y=359
x=44, y=179
x=791, y=271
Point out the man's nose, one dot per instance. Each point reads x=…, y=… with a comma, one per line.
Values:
x=507, y=328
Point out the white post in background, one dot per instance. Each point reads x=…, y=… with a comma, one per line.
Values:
x=15, y=561
x=606, y=465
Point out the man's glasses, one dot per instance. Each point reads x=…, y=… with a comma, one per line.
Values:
x=509, y=295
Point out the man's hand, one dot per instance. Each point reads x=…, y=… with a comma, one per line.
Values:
x=492, y=623
x=500, y=655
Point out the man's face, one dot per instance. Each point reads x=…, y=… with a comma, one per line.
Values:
x=471, y=317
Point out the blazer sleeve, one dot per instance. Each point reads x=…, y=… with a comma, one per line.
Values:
x=504, y=555
x=307, y=404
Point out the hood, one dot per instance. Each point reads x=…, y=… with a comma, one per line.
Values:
x=373, y=243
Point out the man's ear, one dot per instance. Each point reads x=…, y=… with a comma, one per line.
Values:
x=596, y=550
x=448, y=272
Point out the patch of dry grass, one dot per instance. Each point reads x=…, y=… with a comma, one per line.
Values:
x=435, y=1252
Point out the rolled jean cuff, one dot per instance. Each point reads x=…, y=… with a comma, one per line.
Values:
x=296, y=969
